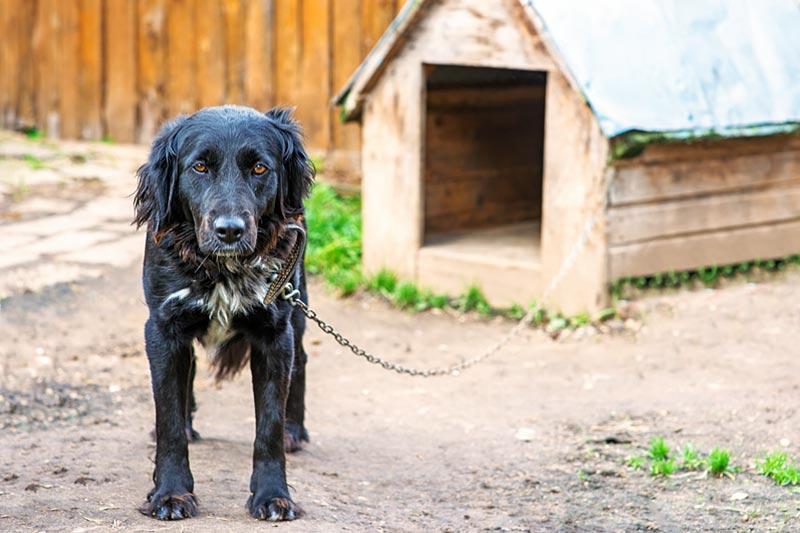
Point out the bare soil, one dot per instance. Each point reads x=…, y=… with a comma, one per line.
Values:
x=535, y=439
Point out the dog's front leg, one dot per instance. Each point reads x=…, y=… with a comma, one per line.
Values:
x=271, y=368
x=171, y=497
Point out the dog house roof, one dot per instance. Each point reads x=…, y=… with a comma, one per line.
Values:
x=669, y=67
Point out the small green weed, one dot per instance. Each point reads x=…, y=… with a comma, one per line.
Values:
x=659, y=451
x=663, y=467
x=636, y=462
x=383, y=282
x=438, y=301
x=406, y=296
x=34, y=162
x=718, y=462
x=107, y=139
x=473, y=300
x=34, y=134
x=692, y=459
x=776, y=465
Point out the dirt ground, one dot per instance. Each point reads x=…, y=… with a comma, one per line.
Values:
x=535, y=439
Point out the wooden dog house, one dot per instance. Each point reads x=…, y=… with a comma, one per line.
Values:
x=494, y=131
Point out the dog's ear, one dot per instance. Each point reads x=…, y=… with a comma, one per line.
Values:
x=158, y=179
x=297, y=171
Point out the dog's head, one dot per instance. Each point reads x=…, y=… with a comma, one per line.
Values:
x=230, y=171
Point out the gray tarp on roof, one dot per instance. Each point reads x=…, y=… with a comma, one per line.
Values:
x=692, y=66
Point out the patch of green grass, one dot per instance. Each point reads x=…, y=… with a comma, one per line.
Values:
x=663, y=467
x=34, y=162
x=708, y=276
x=34, y=134
x=692, y=459
x=107, y=139
x=718, y=462
x=334, y=238
x=777, y=466
x=473, y=300
x=659, y=451
x=383, y=282
x=636, y=462
x=406, y=296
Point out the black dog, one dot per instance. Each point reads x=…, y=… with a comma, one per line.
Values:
x=217, y=194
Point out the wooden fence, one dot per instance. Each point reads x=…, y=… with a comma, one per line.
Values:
x=117, y=68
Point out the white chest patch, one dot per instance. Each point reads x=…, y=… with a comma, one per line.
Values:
x=241, y=290
x=226, y=301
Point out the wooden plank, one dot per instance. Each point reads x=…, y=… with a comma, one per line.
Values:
x=715, y=248
x=503, y=262
x=288, y=37
x=575, y=181
x=648, y=183
x=25, y=83
x=5, y=80
x=233, y=18
x=713, y=149
x=258, y=68
x=45, y=35
x=391, y=162
x=635, y=223
x=210, y=50
x=181, y=59
x=151, y=59
x=362, y=82
x=376, y=16
x=9, y=62
x=90, y=65
x=500, y=198
x=69, y=63
x=313, y=97
x=120, y=68
x=346, y=55
x=484, y=97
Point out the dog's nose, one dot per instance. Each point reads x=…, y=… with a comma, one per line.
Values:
x=229, y=229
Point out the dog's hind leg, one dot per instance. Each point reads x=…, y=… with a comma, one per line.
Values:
x=295, y=432
x=172, y=496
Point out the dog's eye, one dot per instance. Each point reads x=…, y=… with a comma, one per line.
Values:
x=200, y=168
x=259, y=169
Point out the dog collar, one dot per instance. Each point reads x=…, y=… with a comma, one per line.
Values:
x=279, y=281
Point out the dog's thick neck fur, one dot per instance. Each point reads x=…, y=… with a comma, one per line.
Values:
x=225, y=287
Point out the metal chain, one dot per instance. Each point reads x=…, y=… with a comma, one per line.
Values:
x=292, y=296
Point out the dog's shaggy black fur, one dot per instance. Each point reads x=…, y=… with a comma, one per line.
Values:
x=216, y=195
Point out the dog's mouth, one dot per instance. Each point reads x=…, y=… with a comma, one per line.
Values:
x=219, y=250
x=213, y=247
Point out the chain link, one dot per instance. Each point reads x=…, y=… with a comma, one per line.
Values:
x=292, y=296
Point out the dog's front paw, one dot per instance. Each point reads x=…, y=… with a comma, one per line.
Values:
x=294, y=435
x=273, y=509
x=170, y=506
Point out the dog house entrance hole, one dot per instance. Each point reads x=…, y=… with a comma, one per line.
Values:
x=483, y=166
